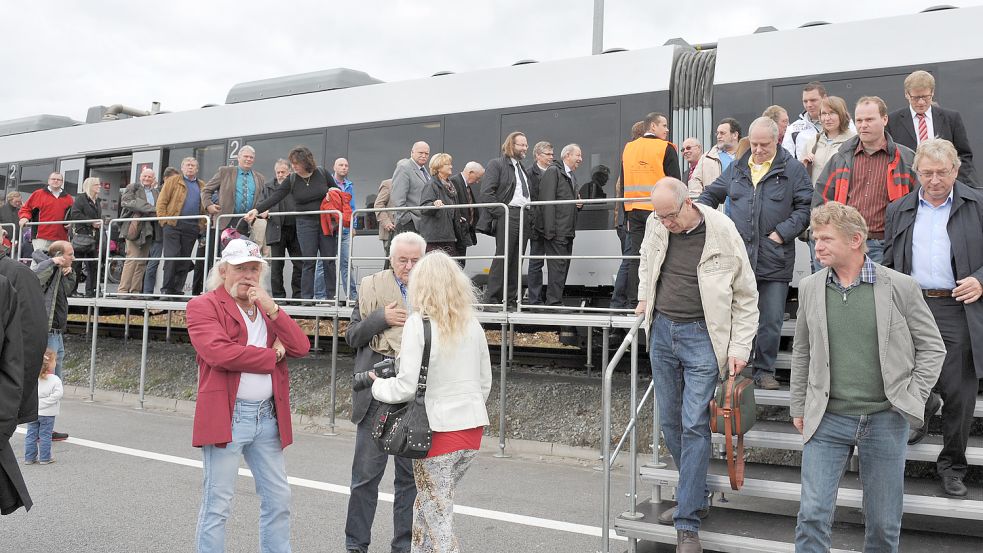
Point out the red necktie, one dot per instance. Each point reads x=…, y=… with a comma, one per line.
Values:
x=922, y=128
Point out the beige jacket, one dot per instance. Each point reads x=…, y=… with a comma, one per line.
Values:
x=379, y=290
x=824, y=151
x=708, y=169
x=728, y=289
x=911, y=348
x=382, y=200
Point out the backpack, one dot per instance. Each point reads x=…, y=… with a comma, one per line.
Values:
x=338, y=200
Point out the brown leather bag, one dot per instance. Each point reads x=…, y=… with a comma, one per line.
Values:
x=733, y=412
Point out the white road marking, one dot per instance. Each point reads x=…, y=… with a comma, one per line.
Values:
x=502, y=516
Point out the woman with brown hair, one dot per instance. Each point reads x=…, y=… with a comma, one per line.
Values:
x=437, y=225
x=835, y=120
x=308, y=185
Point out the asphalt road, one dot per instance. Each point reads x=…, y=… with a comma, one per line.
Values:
x=129, y=480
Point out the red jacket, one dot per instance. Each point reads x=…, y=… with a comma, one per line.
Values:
x=49, y=208
x=218, y=334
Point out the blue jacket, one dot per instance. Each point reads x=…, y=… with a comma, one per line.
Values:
x=780, y=202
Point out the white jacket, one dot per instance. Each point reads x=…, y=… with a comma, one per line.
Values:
x=458, y=378
x=50, y=391
x=728, y=289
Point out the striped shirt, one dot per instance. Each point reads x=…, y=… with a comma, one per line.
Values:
x=868, y=188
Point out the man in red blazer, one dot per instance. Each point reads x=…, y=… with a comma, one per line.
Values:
x=243, y=408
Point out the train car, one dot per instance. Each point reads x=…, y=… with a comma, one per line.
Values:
x=592, y=101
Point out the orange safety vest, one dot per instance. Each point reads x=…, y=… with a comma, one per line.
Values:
x=642, y=167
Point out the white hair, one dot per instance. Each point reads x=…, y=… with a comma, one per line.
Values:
x=473, y=166
x=248, y=148
x=407, y=238
x=216, y=279
x=766, y=122
x=568, y=149
x=678, y=187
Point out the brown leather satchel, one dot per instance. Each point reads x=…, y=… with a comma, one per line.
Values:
x=733, y=412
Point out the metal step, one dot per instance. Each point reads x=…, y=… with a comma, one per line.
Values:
x=922, y=497
x=782, y=435
x=781, y=398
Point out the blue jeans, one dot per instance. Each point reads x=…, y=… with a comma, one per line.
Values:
x=875, y=250
x=619, y=298
x=39, y=432
x=314, y=242
x=771, y=314
x=685, y=373
x=368, y=466
x=320, y=289
x=150, y=277
x=256, y=437
x=346, y=282
x=881, y=439
x=56, y=343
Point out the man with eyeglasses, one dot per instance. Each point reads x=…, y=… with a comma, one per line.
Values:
x=922, y=121
x=936, y=235
x=543, y=154
x=697, y=291
x=718, y=159
x=868, y=172
x=692, y=151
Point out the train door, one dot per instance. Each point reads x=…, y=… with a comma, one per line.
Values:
x=145, y=160
x=74, y=172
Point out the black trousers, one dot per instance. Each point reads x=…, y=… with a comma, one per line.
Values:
x=179, y=241
x=636, y=232
x=497, y=274
x=288, y=244
x=557, y=270
x=957, y=385
x=534, y=276
x=198, y=280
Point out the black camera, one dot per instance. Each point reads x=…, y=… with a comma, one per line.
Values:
x=383, y=369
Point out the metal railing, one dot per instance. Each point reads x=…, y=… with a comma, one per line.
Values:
x=608, y=457
x=529, y=257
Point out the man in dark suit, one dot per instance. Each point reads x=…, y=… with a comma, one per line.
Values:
x=238, y=188
x=542, y=159
x=935, y=234
x=409, y=180
x=558, y=223
x=505, y=182
x=13, y=490
x=921, y=121
x=464, y=183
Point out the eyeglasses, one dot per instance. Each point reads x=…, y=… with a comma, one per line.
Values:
x=689, y=148
x=924, y=98
x=670, y=217
x=929, y=175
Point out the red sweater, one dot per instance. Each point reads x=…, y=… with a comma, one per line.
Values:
x=49, y=208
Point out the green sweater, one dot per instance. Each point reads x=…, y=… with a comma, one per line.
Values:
x=856, y=386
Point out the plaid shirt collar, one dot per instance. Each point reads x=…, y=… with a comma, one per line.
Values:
x=868, y=274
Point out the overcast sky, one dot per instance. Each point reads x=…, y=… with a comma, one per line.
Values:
x=63, y=56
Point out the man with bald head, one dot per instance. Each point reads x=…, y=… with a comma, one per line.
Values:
x=409, y=180
x=697, y=291
x=692, y=151
x=341, y=168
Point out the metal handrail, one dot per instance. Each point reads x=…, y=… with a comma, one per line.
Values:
x=524, y=256
x=631, y=340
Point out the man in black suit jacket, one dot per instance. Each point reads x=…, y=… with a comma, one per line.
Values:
x=542, y=159
x=904, y=125
x=463, y=183
x=952, y=286
x=505, y=181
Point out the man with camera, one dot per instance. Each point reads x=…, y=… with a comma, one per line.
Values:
x=375, y=331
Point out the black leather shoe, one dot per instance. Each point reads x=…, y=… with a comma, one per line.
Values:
x=953, y=485
x=59, y=436
x=932, y=406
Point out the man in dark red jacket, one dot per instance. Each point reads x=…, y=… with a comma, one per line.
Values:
x=51, y=203
x=243, y=407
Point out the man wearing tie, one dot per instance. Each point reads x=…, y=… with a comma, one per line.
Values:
x=238, y=188
x=409, y=180
x=558, y=223
x=505, y=182
x=921, y=121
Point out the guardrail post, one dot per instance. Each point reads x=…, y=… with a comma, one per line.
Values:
x=126, y=326
x=501, y=397
x=334, y=375
x=143, y=352
x=167, y=334
x=92, y=353
x=632, y=514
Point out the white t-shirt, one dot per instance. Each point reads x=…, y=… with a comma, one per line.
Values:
x=253, y=386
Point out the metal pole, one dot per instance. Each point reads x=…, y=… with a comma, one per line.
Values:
x=92, y=354
x=501, y=397
x=334, y=374
x=143, y=353
x=598, y=40
x=126, y=326
x=167, y=335
x=511, y=343
x=590, y=350
x=633, y=446
x=88, y=319
x=605, y=345
x=317, y=333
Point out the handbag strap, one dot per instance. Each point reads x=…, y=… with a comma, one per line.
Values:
x=732, y=422
x=421, y=385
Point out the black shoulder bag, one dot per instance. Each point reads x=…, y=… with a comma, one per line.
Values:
x=403, y=429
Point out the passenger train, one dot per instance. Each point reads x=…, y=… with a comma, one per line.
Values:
x=592, y=101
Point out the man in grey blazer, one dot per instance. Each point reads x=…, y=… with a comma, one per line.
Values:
x=410, y=178
x=239, y=188
x=866, y=354
x=922, y=120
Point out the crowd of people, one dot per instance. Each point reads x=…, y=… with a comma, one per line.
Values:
x=888, y=330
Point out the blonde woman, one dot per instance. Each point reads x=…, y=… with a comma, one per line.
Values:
x=437, y=226
x=458, y=382
x=86, y=239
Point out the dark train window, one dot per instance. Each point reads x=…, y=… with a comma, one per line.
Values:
x=373, y=153
x=210, y=158
x=889, y=87
x=34, y=176
x=268, y=150
x=3, y=182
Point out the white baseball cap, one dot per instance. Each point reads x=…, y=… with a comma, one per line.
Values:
x=241, y=251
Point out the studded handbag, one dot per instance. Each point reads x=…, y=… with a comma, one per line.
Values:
x=403, y=429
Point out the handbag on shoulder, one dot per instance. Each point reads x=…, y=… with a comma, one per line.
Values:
x=403, y=429
x=733, y=413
